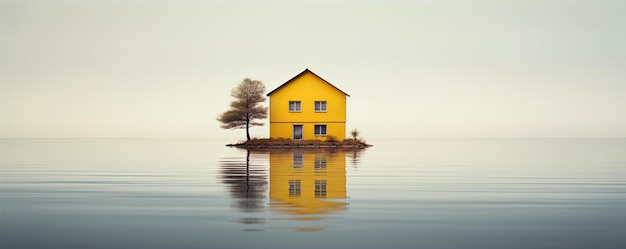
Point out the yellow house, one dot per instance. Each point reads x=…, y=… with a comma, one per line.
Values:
x=307, y=107
x=307, y=183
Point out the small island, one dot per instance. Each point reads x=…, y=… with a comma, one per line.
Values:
x=305, y=112
x=262, y=143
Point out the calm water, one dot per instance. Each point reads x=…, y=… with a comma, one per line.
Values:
x=421, y=193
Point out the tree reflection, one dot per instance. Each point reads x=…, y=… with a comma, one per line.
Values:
x=246, y=182
x=355, y=156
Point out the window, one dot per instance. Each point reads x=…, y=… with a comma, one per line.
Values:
x=294, y=188
x=297, y=159
x=320, y=106
x=294, y=106
x=320, y=188
x=320, y=162
x=320, y=130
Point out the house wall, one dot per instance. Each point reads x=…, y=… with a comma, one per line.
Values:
x=307, y=89
x=285, y=130
x=282, y=170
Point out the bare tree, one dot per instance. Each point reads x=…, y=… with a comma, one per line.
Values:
x=247, y=108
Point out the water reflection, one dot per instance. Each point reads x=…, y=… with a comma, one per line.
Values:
x=307, y=188
x=247, y=183
x=354, y=156
x=307, y=184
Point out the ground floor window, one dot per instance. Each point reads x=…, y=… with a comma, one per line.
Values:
x=320, y=130
x=320, y=162
x=297, y=159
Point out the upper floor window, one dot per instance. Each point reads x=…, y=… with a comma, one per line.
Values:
x=294, y=106
x=294, y=188
x=320, y=188
x=320, y=106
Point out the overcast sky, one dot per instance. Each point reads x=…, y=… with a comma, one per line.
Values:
x=159, y=68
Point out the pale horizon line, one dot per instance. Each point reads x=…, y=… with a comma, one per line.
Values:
x=377, y=138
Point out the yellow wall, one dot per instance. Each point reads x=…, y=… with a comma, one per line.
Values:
x=282, y=170
x=307, y=89
x=285, y=130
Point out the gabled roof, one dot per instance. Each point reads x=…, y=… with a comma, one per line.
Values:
x=300, y=74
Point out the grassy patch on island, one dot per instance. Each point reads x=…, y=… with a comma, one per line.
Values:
x=304, y=143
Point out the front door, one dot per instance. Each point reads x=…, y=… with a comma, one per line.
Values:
x=297, y=132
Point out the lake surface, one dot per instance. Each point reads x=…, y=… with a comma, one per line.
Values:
x=401, y=193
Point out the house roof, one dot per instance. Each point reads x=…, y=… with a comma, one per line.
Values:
x=300, y=74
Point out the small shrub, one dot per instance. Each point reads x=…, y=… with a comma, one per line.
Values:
x=331, y=139
x=355, y=133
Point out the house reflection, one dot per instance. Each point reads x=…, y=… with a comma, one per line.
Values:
x=307, y=184
x=307, y=188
